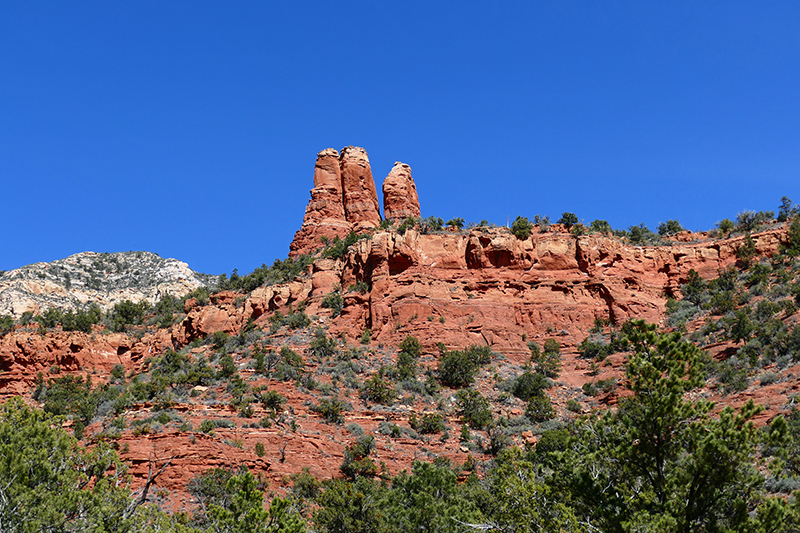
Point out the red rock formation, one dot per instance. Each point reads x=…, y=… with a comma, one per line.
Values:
x=482, y=287
x=485, y=287
x=489, y=287
x=24, y=353
x=360, y=197
x=325, y=215
x=343, y=199
x=479, y=287
x=400, y=198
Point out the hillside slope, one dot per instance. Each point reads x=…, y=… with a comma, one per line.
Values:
x=386, y=336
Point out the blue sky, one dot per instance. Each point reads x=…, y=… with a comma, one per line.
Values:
x=190, y=129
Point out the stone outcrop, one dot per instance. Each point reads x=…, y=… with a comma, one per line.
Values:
x=488, y=287
x=400, y=198
x=483, y=286
x=25, y=352
x=344, y=198
x=328, y=182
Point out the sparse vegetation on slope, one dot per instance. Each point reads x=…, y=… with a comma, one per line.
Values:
x=606, y=425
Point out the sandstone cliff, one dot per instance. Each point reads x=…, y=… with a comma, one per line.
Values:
x=481, y=286
x=360, y=197
x=324, y=216
x=485, y=286
x=488, y=287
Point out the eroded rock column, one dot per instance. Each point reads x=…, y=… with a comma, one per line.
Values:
x=360, y=198
x=325, y=214
x=400, y=198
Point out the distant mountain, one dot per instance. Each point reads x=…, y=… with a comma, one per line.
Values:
x=89, y=277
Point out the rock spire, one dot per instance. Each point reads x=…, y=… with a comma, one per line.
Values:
x=400, y=198
x=344, y=198
x=325, y=211
x=361, y=206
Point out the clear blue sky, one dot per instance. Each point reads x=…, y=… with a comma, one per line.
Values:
x=190, y=129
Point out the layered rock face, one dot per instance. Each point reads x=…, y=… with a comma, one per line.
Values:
x=25, y=352
x=344, y=198
x=400, y=198
x=488, y=287
x=326, y=197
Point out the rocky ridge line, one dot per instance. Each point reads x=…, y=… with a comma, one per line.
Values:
x=104, y=279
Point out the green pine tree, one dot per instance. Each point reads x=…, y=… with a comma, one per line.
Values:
x=664, y=463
